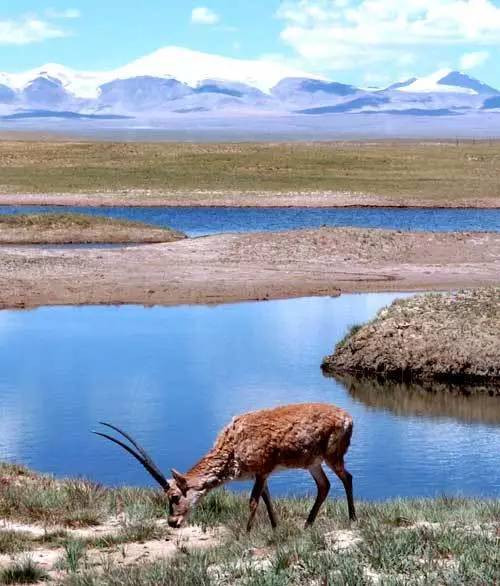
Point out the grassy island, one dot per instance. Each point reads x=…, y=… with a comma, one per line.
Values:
x=79, y=229
x=438, y=337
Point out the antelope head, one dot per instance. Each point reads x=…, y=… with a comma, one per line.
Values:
x=182, y=493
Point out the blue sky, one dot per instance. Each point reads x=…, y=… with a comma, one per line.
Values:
x=360, y=41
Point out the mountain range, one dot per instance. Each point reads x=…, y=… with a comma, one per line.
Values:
x=173, y=82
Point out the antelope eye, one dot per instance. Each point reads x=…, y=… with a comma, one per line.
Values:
x=175, y=499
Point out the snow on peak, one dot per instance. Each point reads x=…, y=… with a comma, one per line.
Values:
x=432, y=83
x=184, y=65
x=83, y=84
x=193, y=67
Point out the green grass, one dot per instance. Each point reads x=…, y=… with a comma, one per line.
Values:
x=351, y=331
x=436, y=171
x=71, y=503
x=62, y=220
x=292, y=556
x=13, y=541
x=68, y=227
x=24, y=571
x=74, y=554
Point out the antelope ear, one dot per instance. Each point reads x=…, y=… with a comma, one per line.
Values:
x=180, y=479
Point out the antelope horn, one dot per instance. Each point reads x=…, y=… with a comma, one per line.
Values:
x=141, y=455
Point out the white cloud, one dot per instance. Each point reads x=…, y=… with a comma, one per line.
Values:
x=203, y=15
x=473, y=60
x=339, y=34
x=70, y=13
x=28, y=29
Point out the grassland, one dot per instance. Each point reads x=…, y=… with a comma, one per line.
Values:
x=79, y=228
x=383, y=173
x=57, y=539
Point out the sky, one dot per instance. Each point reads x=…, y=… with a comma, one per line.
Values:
x=365, y=42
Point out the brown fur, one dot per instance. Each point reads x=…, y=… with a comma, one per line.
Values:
x=256, y=444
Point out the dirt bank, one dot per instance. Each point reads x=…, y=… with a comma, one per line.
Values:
x=446, y=337
x=79, y=229
x=240, y=199
x=237, y=267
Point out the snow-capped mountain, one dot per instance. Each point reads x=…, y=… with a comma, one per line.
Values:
x=174, y=81
x=186, y=66
x=444, y=81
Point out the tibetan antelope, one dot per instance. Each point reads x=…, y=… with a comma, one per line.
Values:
x=254, y=445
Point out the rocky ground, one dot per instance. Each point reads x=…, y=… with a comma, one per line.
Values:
x=449, y=337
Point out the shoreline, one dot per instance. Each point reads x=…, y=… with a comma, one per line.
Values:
x=248, y=267
x=263, y=200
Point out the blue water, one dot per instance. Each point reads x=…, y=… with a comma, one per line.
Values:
x=202, y=221
x=174, y=376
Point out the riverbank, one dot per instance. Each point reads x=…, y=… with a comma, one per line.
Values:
x=323, y=174
x=444, y=337
x=242, y=199
x=73, y=532
x=79, y=229
x=257, y=266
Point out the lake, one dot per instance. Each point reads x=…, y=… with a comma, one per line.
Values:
x=174, y=376
x=196, y=221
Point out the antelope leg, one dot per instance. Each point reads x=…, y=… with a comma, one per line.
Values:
x=323, y=485
x=257, y=489
x=266, y=497
x=346, y=479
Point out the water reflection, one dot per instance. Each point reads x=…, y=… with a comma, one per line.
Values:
x=471, y=404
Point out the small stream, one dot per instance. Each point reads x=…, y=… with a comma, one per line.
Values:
x=197, y=221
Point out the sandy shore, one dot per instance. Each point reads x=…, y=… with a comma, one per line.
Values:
x=237, y=267
x=309, y=199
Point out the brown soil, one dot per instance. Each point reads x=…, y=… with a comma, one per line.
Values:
x=233, y=198
x=237, y=267
x=447, y=337
x=49, y=559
